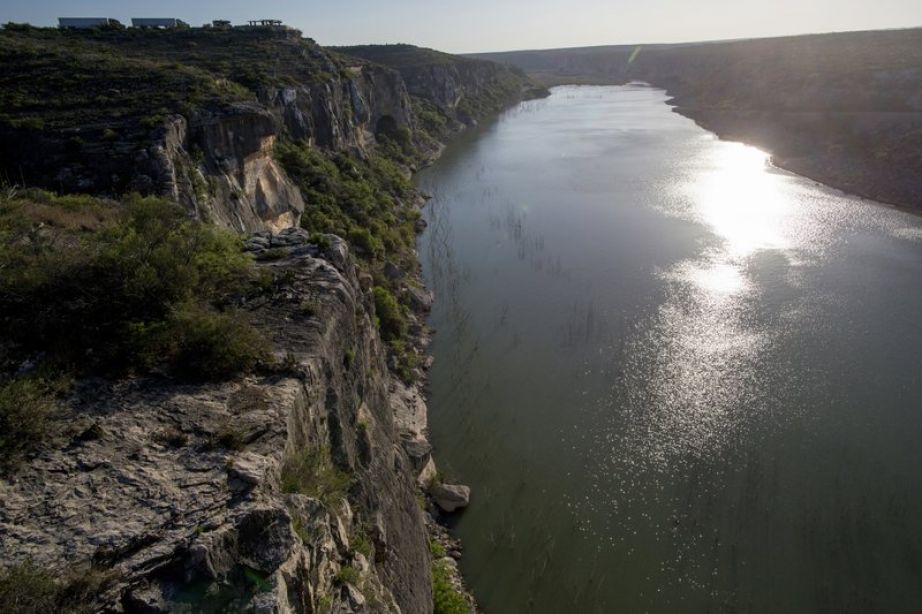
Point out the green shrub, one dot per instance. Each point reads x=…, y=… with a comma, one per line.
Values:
x=445, y=596
x=349, y=575
x=437, y=549
x=13, y=26
x=82, y=290
x=198, y=343
x=321, y=241
x=366, y=201
x=389, y=313
x=362, y=544
x=324, y=604
x=28, y=588
x=368, y=245
x=311, y=472
x=26, y=406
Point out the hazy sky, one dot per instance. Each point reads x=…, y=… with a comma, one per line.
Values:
x=495, y=25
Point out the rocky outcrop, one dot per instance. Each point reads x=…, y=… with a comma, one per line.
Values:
x=487, y=86
x=193, y=496
x=463, y=90
x=221, y=165
x=219, y=161
x=344, y=113
x=450, y=497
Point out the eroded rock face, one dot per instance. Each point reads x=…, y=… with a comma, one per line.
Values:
x=179, y=490
x=222, y=167
x=344, y=113
x=447, y=84
x=218, y=160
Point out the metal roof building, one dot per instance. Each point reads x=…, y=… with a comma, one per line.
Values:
x=160, y=23
x=86, y=22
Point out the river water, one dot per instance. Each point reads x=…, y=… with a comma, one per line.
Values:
x=676, y=378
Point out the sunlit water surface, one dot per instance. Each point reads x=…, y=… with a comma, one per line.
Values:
x=677, y=379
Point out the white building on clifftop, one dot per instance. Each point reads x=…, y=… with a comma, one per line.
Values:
x=158, y=23
x=80, y=23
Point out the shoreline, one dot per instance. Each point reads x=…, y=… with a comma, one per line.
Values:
x=714, y=126
x=777, y=161
x=446, y=549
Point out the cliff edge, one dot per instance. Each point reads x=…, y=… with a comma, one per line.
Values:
x=295, y=476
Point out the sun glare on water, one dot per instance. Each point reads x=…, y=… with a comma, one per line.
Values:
x=707, y=349
x=741, y=201
x=735, y=194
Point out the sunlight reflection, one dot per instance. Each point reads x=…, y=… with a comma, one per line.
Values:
x=718, y=279
x=743, y=203
x=705, y=374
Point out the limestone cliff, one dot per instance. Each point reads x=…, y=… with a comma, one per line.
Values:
x=193, y=115
x=299, y=489
x=221, y=164
x=461, y=89
x=189, y=497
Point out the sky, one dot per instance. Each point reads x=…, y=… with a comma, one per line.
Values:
x=460, y=26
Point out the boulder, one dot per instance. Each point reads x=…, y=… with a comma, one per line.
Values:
x=450, y=497
x=337, y=253
x=427, y=475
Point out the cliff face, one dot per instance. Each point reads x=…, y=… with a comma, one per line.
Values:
x=344, y=113
x=219, y=161
x=211, y=151
x=297, y=489
x=221, y=497
x=221, y=164
x=486, y=85
x=461, y=89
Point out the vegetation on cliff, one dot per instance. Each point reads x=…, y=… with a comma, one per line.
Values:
x=98, y=287
x=368, y=201
x=67, y=79
x=55, y=80
x=107, y=298
x=28, y=588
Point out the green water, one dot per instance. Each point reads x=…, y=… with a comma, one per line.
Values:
x=676, y=379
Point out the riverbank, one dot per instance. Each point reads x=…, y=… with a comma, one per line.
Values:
x=852, y=175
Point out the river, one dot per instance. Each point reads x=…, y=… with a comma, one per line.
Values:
x=676, y=378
